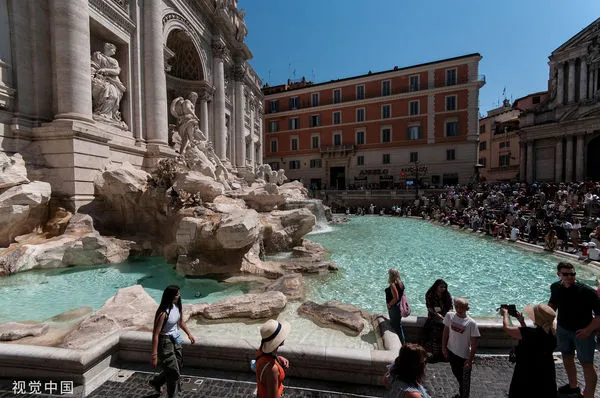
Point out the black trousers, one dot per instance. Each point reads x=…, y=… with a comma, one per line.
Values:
x=462, y=375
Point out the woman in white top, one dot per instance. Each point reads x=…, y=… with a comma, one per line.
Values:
x=166, y=342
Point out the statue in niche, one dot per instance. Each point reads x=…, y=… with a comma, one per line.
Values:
x=195, y=148
x=554, y=83
x=107, y=89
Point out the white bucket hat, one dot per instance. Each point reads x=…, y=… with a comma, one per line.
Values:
x=273, y=333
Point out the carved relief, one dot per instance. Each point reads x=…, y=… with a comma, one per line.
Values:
x=107, y=89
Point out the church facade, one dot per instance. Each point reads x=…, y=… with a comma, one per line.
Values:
x=89, y=83
x=560, y=139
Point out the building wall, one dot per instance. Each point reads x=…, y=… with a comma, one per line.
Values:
x=431, y=116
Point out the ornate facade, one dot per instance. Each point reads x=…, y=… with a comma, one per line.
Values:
x=87, y=83
x=560, y=141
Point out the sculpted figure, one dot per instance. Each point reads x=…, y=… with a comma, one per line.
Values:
x=281, y=177
x=196, y=149
x=263, y=172
x=107, y=89
x=187, y=121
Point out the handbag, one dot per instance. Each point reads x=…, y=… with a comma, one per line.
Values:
x=405, y=309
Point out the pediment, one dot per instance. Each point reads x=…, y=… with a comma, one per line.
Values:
x=589, y=36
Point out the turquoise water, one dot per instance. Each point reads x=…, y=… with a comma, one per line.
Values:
x=486, y=271
x=39, y=295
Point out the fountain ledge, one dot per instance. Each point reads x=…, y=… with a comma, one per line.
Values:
x=88, y=369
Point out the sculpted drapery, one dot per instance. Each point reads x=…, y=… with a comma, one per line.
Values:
x=107, y=89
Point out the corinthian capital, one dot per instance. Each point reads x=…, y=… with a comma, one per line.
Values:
x=219, y=50
x=239, y=71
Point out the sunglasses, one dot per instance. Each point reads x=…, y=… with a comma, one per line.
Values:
x=568, y=273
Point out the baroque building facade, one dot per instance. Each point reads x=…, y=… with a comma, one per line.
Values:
x=560, y=141
x=378, y=130
x=87, y=83
x=499, y=149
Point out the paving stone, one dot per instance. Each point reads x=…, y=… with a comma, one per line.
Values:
x=490, y=379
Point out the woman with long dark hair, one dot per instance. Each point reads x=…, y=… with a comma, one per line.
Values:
x=438, y=302
x=166, y=341
x=406, y=374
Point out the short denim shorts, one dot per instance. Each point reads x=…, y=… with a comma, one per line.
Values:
x=568, y=344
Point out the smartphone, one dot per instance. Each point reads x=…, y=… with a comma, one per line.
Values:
x=511, y=308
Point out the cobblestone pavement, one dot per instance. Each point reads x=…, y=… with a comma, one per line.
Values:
x=490, y=378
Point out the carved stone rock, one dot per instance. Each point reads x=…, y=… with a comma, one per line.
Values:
x=12, y=171
x=333, y=315
x=15, y=330
x=252, y=306
x=292, y=285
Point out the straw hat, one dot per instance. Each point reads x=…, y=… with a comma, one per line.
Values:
x=273, y=333
x=542, y=316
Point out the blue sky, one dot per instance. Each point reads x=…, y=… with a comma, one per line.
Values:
x=331, y=39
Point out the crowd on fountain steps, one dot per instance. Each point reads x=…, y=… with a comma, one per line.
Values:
x=563, y=216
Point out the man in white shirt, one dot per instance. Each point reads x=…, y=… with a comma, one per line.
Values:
x=459, y=343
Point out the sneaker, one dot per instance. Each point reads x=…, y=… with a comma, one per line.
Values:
x=156, y=388
x=568, y=390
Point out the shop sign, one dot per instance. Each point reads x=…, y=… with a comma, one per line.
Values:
x=373, y=172
x=386, y=177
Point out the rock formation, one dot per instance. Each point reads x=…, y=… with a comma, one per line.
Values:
x=335, y=314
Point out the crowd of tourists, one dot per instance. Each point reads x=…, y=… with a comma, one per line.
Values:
x=562, y=216
x=451, y=335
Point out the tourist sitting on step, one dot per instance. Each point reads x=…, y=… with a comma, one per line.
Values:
x=551, y=241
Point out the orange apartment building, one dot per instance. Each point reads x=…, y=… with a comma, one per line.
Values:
x=379, y=130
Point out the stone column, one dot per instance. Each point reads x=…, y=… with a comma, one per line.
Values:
x=155, y=82
x=522, y=161
x=583, y=80
x=579, y=157
x=558, y=160
x=71, y=47
x=251, y=153
x=530, y=162
x=560, y=85
x=569, y=159
x=258, y=146
x=219, y=52
x=571, y=82
x=204, y=96
x=239, y=72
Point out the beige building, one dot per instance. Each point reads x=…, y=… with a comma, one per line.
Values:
x=84, y=84
x=499, y=141
x=561, y=140
x=380, y=130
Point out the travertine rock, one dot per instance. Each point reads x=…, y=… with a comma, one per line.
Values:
x=12, y=170
x=16, y=330
x=261, y=197
x=79, y=245
x=253, y=306
x=292, y=285
x=335, y=315
x=131, y=308
x=194, y=181
x=23, y=208
x=285, y=229
x=238, y=229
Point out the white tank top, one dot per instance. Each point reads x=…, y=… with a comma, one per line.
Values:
x=170, y=326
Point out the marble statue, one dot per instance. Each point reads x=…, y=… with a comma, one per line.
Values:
x=107, y=89
x=265, y=173
x=184, y=110
x=195, y=148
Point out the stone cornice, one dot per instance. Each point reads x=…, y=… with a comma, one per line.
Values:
x=113, y=13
